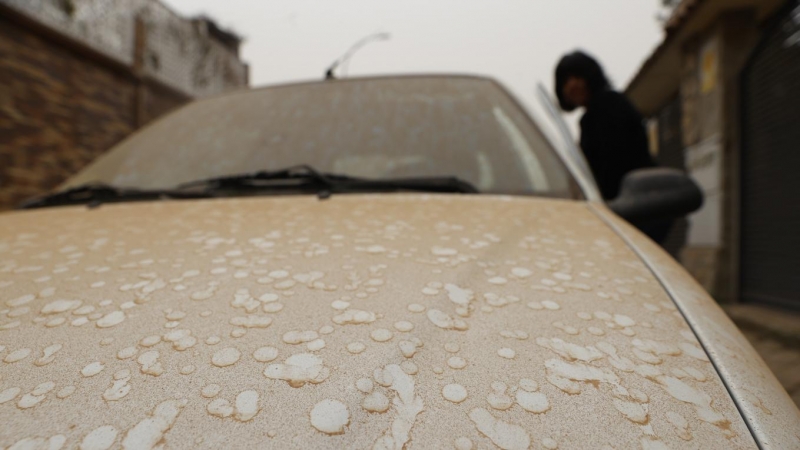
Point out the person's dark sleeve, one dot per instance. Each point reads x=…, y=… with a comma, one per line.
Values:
x=619, y=144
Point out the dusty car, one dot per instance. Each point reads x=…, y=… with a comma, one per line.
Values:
x=387, y=263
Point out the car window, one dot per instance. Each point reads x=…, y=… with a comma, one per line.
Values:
x=377, y=128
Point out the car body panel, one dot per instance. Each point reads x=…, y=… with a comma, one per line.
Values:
x=772, y=416
x=507, y=322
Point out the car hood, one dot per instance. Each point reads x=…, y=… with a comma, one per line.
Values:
x=382, y=321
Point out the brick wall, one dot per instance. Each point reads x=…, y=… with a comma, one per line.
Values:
x=61, y=107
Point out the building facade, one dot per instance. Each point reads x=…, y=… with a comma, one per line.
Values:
x=722, y=94
x=77, y=76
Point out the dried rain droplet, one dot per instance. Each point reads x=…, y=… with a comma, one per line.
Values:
x=246, y=406
x=251, y=321
x=330, y=416
x=9, y=394
x=462, y=443
x=48, y=355
x=375, y=402
x=298, y=370
x=150, y=341
x=455, y=393
x=265, y=354
x=355, y=317
x=456, y=362
x=100, y=438
x=60, y=306
x=451, y=347
x=17, y=355
x=549, y=444
x=551, y=305
x=356, y=347
x=445, y=321
x=506, y=353
x=529, y=385
x=111, y=319
x=534, y=402
x=499, y=400
x=92, y=369
x=364, y=385
x=150, y=364
x=210, y=391
x=127, y=352
x=381, y=335
x=150, y=431
x=226, y=357
x=65, y=392
x=505, y=435
x=403, y=326
x=416, y=308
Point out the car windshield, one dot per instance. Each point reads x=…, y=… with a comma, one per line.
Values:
x=380, y=128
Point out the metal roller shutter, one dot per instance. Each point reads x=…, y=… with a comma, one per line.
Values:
x=770, y=232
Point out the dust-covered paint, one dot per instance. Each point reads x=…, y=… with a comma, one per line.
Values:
x=398, y=348
x=771, y=414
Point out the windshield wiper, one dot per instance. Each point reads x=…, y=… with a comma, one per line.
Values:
x=298, y=178
x=96, y=194
x=304, y=178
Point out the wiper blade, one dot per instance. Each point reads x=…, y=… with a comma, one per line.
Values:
x=300, y=178
x=299, y=175
x=420, y=184
x=306, y=178
x=96, y=194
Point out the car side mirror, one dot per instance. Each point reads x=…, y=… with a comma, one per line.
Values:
x=656, y=194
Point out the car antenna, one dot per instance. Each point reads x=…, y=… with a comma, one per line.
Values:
x=345, y=58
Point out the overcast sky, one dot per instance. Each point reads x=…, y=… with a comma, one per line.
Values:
x=515, y=41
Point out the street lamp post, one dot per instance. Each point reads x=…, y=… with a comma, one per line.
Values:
x=345, y=58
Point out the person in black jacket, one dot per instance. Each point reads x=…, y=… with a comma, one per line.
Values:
x=613, y=136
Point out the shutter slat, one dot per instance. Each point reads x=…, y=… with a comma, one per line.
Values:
x=770, y=232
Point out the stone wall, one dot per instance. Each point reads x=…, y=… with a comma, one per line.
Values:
x=701, y=94
x=710, y=86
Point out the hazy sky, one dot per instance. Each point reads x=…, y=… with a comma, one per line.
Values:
x=515, y=41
